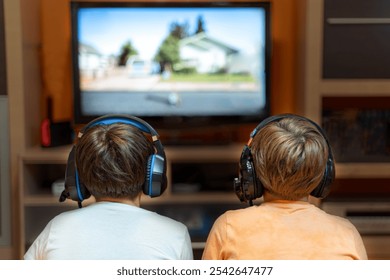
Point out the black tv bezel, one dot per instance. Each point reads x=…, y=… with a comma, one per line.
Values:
x=172, y=122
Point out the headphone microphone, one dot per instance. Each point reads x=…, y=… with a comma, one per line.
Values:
x=248, y=186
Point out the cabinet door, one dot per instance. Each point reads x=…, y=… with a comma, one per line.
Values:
x=356, y=39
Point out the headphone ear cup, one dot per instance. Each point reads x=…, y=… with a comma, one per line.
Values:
x=252, y=186
x=74, y=189
x=247, y=187
x=323, y=189
x=155, y=181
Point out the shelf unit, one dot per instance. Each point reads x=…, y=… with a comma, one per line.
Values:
x=39, y=167
x=316, y=88
x=327, y=75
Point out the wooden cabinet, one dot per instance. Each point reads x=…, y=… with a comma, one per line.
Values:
x=355, y=39
x=346, y=85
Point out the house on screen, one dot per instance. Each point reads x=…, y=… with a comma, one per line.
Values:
x=206, y=54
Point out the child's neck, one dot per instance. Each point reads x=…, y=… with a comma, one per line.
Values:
x=272, y=197
x=134, y=202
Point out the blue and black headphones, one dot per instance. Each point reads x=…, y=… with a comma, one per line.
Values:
x=156, y=179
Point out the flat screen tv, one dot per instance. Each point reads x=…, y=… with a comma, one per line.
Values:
x=173, y=64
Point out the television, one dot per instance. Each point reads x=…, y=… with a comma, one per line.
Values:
x=176, y=65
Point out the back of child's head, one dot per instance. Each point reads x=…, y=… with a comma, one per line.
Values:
x=290, y=157
x=112, y=159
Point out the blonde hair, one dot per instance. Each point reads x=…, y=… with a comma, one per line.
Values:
x=290, y=157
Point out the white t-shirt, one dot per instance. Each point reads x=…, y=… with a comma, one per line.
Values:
x=108, y=230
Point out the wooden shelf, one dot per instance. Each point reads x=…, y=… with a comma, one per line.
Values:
x=46, y=155
x=363, y=170
x=353, y=88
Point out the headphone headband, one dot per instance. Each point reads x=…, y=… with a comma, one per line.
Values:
x=130, y=120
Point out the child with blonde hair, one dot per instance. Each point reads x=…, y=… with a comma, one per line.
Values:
x=288, y=158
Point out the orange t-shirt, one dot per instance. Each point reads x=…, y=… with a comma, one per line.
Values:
x=283, y=230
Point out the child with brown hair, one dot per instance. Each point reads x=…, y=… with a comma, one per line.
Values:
x=114, y=161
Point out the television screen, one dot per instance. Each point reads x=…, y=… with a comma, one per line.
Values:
x=171, y=64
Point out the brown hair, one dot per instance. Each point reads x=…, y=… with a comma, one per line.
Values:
x=112, y=159
x=290, y=157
